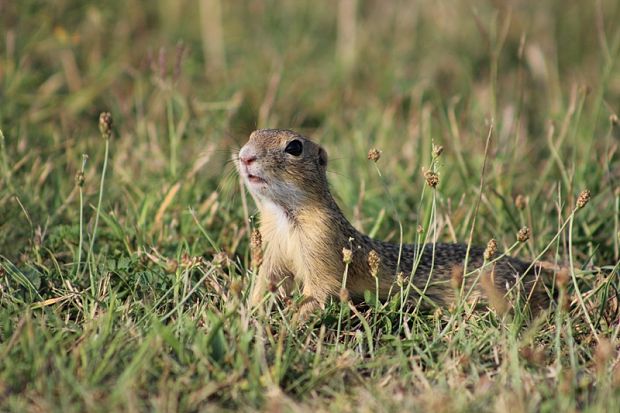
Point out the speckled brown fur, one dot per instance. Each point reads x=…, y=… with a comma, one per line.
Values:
x=304, y=233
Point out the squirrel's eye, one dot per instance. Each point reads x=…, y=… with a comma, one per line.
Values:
x=294, y=147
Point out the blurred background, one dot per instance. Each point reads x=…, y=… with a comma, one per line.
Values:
x=187, y=81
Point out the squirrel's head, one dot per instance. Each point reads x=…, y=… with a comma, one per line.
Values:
x=283, y=167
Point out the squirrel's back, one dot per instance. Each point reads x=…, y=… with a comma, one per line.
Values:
x=437, y=272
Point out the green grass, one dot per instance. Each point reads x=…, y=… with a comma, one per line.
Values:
x=144, y=308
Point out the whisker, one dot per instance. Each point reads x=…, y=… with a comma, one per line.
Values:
x=340, y=174
x=342, y=158
x=226, y=185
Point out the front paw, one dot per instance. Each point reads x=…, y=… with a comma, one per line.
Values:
x=307, y=308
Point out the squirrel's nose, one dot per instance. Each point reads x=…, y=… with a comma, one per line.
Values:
x=246, y=157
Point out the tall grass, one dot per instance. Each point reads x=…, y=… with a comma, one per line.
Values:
x=161, y=321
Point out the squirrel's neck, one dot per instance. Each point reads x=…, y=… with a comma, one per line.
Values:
x=316, y=215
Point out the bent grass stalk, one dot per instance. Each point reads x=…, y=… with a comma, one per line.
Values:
x=574, y=277
x=172, y=136
x=342, y=304
x=400, y=224
x=6, y=171
x=433, y=221
x=400, y=240
x=460, y=303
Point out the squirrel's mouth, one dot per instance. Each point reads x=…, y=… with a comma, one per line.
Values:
x=255, y=179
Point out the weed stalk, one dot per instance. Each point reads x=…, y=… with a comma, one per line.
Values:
x=105, y=127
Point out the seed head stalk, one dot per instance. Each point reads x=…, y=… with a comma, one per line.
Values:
x=105, y=127
x=80, y=184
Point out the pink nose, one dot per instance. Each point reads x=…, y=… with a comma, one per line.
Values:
x=246, y=157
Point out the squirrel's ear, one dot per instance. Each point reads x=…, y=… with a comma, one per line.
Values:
x=322, y=157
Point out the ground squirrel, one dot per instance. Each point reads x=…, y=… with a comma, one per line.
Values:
x=304, y=233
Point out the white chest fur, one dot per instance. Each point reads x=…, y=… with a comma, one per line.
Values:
x=283, y=238
x=277, y=219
